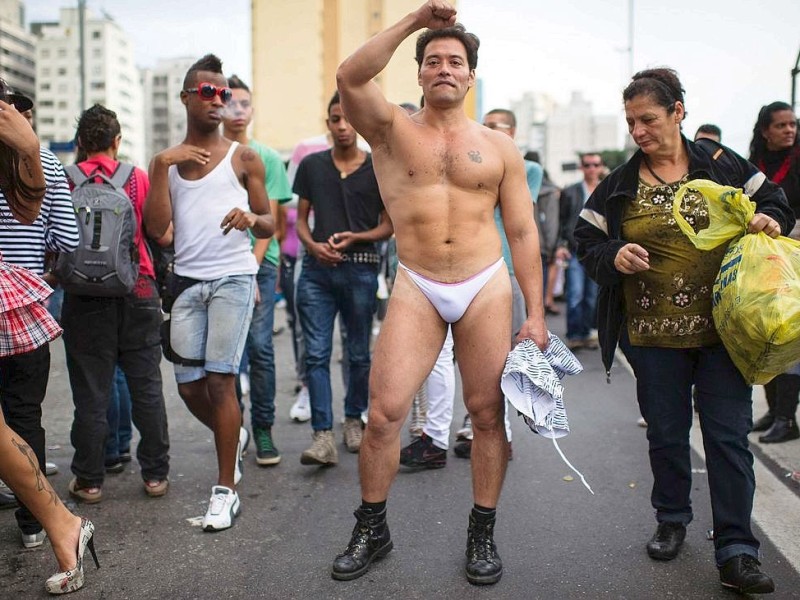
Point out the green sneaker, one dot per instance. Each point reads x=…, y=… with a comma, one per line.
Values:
x=266, y=452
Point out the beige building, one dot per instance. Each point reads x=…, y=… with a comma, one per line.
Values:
x=297, y=46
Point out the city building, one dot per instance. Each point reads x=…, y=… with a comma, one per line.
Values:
x=66, y=85
x=559, y=132
x=297, y=47
x=17, y=49
x=164, y=113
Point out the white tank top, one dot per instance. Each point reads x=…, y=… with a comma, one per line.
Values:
x=198, y=207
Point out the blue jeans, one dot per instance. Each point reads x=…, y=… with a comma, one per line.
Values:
x=260, y=351
x=581, y=293
x=119, y=418
x=322, y=292
x=664, y=378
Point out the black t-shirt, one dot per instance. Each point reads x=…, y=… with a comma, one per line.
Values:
x=352, y=203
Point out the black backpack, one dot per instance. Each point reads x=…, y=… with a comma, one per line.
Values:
x=106, y=261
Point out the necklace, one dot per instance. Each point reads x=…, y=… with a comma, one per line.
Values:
x=653, y=173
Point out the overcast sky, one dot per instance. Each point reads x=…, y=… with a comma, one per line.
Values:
x=733, y=56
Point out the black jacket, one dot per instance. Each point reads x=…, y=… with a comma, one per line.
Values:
x=570, y=208
x=598, y=232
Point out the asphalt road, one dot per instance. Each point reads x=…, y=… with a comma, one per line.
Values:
x=556, y=539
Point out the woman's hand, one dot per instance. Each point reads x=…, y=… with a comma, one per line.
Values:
x=632, y=258
x=761, y=222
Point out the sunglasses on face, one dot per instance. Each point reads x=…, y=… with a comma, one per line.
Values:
x=594, y=164
x=207, y=91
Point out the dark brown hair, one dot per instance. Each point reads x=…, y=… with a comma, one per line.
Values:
x=458, y=32
x=661, y=84
x=98, y=127
x=758, y=145
x=209, y=63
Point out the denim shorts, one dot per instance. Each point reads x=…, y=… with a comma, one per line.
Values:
x=210, y=321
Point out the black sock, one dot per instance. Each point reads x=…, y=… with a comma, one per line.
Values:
x=483, y=514
x=373, y=508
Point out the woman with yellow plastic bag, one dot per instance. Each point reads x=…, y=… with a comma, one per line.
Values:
x=756, y=295
x=655, y=301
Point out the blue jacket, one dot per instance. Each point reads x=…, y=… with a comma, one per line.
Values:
x=598, y=232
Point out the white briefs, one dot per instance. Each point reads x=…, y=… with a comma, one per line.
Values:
x=451, y=300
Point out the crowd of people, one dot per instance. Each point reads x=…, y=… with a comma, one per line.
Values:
x=216, y=232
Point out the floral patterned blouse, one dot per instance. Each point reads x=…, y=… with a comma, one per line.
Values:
x=669, y=305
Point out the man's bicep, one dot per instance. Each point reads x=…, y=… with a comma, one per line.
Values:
x=367, y=109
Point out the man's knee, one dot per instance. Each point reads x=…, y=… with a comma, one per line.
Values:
x=487, y=416
x=221, y=385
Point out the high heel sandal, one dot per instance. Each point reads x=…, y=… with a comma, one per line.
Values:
x=72, y=580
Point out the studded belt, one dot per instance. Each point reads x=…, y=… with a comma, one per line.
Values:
x=366, y=258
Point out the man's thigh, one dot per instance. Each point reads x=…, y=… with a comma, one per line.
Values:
x=230, y=309
x=411, y=338
x=482, y=342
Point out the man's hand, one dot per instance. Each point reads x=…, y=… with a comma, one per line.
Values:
x=436, y=14
x=325, y=254
x=342, y=240
x=237, y=219
x=535, y=328
x=183, y=153
x=761, y=222
x=632, y=258
x=562, y=253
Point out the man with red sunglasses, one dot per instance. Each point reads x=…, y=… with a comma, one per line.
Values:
x=209, y=191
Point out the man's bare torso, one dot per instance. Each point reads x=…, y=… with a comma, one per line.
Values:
x=440, y=189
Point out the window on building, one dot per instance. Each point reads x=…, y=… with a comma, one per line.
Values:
x=45, y=103
x=47, y=121
x=97, y=52
x=62, y=104
x=98, y=85
x=45, y=72
x=62, y=70
x=97, y=34
x=45, y=53
x=45, y=87
x=62, y=52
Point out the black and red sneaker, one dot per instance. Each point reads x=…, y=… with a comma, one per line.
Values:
x=422, y=454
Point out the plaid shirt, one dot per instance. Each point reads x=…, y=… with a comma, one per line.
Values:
x=25, y=323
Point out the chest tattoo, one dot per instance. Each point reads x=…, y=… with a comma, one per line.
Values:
x=475, y=156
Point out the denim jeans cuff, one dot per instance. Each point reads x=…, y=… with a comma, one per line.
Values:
x=682, y=518
x=723, y=555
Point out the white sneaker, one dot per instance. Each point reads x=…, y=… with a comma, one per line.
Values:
x=301, y=409
x=33, y=540
x=244, y=440
x=239, y=466
x=465, y=433
x=222, y=509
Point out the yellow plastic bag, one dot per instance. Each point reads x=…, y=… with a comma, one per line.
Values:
x=756, y=295
x=729, y=212
x=756, y=305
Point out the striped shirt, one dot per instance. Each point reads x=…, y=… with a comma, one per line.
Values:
x=54, y=230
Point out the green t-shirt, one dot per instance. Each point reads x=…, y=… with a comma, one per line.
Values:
x=278, y=188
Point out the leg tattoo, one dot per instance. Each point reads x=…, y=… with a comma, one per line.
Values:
x=41, y=482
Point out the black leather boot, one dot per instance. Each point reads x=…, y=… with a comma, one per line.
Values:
x=782, y=430
x=483, y=562
x=764, y=422
x=370, y=540
x=667, y=541
x=742, y=574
